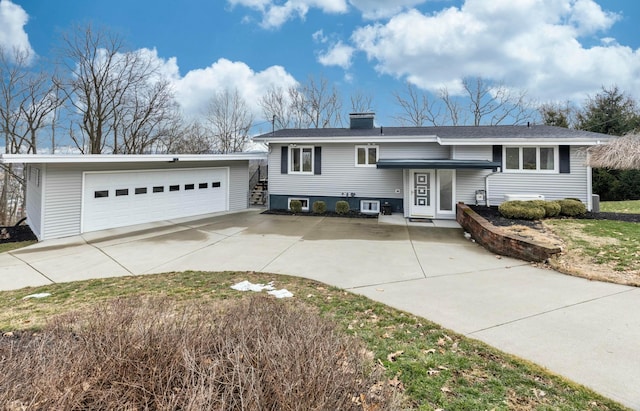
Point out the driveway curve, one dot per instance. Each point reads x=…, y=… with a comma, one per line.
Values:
x=585, y=330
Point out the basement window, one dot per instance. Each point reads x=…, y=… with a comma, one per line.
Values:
x=101, y=194
x=370, y=206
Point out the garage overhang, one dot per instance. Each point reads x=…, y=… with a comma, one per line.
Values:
x=438, y=164
x=125, y=158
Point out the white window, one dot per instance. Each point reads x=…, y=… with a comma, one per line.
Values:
x=301, y=160
x=528, y=159
x=446, y=191
x=366, y=156
x=303, y=201
x=370, y=206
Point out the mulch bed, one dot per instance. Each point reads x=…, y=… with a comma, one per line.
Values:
x=350, y=214
x=17, y=233
x=493, y=216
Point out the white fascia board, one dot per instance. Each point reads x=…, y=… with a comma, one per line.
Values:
x=125, y=158
x=355, y=140
x=519, y=142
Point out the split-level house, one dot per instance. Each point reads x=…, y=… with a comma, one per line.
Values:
x=423, y=172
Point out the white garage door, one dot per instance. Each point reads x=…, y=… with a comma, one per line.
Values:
x=117, y=199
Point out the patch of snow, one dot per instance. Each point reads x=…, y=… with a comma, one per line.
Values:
x=248, y=286
x=39, y=295
x=284, y=293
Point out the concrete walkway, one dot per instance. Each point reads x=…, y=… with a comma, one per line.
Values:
x=587, y=331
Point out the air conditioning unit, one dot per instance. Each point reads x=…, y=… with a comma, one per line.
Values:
x=523, y=197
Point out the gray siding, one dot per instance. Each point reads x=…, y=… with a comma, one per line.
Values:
x=339, y=173
x=553, y=186
x=467, y=182
x=63, y=190
x=472, y=152
x=34, y=198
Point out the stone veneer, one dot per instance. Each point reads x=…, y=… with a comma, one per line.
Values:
x=500, y=242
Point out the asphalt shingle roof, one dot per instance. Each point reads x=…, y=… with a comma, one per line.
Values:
x=444, y=132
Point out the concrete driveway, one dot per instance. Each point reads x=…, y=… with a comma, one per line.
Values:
x=587, y=331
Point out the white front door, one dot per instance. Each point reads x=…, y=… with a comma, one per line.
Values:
x=422, y=193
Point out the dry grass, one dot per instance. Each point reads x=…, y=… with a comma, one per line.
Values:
x=134, y=354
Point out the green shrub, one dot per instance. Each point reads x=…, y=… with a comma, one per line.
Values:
x=319, y=207
x=572, y=208
x=525, y=210
x=342, y=207
x=295, y=206
x=551, y=208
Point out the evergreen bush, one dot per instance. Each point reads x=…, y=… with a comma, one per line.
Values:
x=319, y=207
x=525, y=210
x=342, y=207
x=295, y=206
x=572, y=208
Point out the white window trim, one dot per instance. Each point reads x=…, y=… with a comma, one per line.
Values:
x=366, y=158
x=453, y=194
x=520, y=170
x=301, y=199
x=375, y=211
x=291, y=170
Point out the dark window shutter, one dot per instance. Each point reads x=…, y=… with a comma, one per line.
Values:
x=565, y=159
x=284, y=160
x=317, y=160
x=497, y=154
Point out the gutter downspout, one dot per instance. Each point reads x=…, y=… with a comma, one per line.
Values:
x=486, y=184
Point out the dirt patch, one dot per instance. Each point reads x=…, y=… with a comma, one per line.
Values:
x=572, y=260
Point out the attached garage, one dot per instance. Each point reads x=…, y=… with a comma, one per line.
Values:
x=74, y=194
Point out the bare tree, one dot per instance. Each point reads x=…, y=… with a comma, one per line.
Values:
x=481, y=103
x=115, y=93
x=417, y=109
x=27, y=99
x=229, y=120
x=496, y=104
x=314, y=104
x=320, y=103
x=276, y=105
x=361, y=102
x=193, y=138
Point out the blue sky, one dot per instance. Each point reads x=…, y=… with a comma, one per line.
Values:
x=556, y=50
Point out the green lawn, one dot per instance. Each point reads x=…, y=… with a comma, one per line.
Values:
x=435, y=367
x=604, y=242
x=620, y=206
x=4, y=247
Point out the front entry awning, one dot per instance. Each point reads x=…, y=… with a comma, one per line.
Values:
x=438, y=164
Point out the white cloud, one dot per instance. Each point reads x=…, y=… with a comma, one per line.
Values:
x=13, y=18
x=338, y=55
x=195, y=89
x=377, y=9
x=275, y=14
x=528, y=44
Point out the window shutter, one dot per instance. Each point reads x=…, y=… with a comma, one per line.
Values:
x=497, y=154
x=284, y=160
x=565, y=159
x=317, y=160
